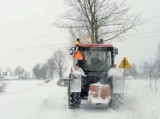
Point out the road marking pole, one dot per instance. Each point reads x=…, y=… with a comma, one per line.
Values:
x=124, y=73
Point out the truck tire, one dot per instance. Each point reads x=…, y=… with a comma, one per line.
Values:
x=116, y=101
x=74, y=100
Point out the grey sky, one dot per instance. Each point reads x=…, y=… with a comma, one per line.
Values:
x=142, y=43
x=27, y=36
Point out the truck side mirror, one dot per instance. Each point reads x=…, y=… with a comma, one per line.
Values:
x=115, y=51
x=71, y=51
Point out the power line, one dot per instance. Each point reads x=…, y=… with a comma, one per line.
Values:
x=30, y=37
x=143, y=33
x=154, y=17
x=146, y=38
x=152, y=36
x=52, y=46
x=31, y=49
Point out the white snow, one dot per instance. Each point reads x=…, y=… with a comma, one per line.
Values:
x=32, y=99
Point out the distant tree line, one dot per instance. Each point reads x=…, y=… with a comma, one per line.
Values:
x=17, y=73
x=55, y=64
x=151, y=69
x=21, y=73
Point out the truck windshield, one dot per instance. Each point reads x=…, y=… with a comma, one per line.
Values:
x=97, y=60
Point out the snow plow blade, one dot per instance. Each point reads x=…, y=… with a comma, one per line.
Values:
x=99, y=94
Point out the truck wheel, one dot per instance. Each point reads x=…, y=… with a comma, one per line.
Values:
x=74, y=100
x=112, y=104
x=116, y=101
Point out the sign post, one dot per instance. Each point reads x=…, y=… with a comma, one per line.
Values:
x=125, y=65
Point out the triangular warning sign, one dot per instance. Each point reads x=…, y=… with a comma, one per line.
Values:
x=78, y=55
x=125, y=64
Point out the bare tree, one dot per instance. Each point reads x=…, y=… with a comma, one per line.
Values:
x=147, y=71
x=40, y=71
x=150, y=69
x=98, y=19
x=60, y=63
x=157, y=68
x=50, y=67
x=157, y=59
x=19, y=71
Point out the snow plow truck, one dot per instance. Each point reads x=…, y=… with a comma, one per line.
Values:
x=90, y=76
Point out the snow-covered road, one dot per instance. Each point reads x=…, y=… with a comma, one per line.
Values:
x=32, y=99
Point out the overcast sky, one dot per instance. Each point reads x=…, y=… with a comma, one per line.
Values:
x=27, y=35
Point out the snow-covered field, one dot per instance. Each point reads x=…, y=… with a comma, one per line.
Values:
x=33, y=99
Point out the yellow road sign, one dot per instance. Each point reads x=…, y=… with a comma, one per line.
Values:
x=125, y=64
